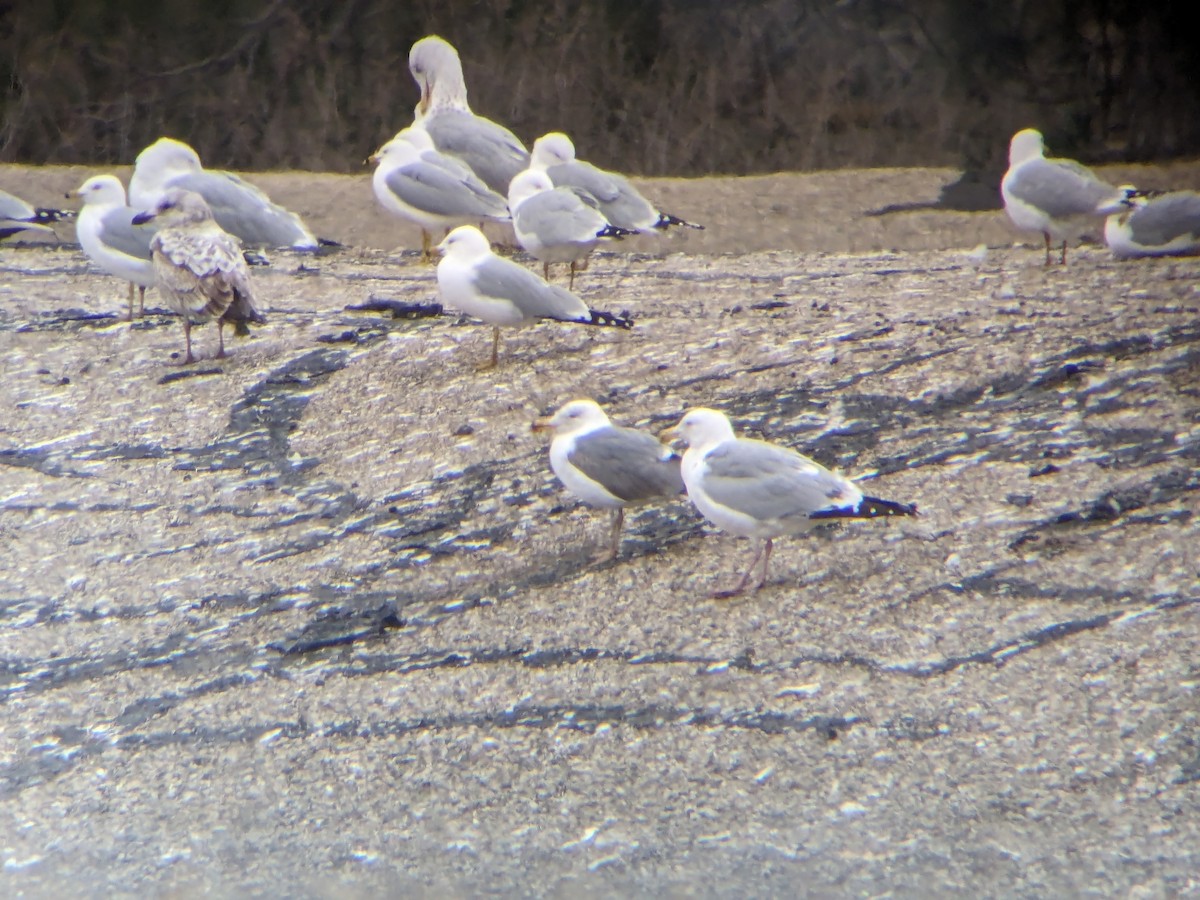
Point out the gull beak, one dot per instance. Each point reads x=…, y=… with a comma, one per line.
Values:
x=669, y=435
x=542, y=424
x=426, y=97
x=372, y=160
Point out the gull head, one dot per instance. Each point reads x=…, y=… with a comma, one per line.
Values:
x=177, y=207
x=701, y=428
x=466, y=243
x=396, y=152
x=101, y=189
x=552, y=149
x=527, y=184
x=573, y=418
x=437, y=70
x=1025, y=144
x=164, y=158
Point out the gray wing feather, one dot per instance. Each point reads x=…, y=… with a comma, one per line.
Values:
x=632, y=465
x=491, y=151
x=434, y=189
x=559, y=217
x=1060, y=189
x=505, y=280
x=243, y=210
x=1165, y=218
x=117, y=232
x=619, y=201
x=769, y=482
x=12, y=207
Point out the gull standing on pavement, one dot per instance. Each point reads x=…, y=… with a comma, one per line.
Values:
x=110, y=239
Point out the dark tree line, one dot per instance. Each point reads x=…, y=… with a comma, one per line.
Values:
x=683, y=87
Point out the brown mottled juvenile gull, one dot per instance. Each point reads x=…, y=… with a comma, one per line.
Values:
x=1058, y=197
x=607, y=465
x=759, y=490
x=200, y=269
x=1155, y=224
x=475, y=280
x=415, y=182
x=16, y=215
x=110, y=239
x=616, y=198
x=238, y=206
x=493, y=152
x=556, y=224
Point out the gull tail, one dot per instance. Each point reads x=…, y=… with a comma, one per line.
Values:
x=867, y=508
x=614, y=231
x=610, y=320
x=43, y=216
x=666, y=220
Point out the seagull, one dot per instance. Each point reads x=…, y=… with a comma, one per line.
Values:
x=760, y=490
x=16, y=215
x=492, y=152
x=474, y=279
x=607, y=465
x=616, y=198
x=238, y=206
x=556, y=224
x=1057, y=197
x=200, y=269
x=1155, y=224
x=415, y=182
x=106, y=232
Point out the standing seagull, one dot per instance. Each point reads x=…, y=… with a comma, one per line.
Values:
x=1057, y=197
x=607, y=465
x=493, y=152
x=1154, y=224
x=474, y=279
x=555, y=224
x=759, y=490
x=106, y=232
x=16, y=215
x=415, y=182
x=616, y=198
x=200, y=269
x=238, y=206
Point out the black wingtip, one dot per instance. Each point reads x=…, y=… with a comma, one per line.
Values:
x=666, y=220
x=610, y=320
x=614, y=231
x=868, y=508
x=43, y=216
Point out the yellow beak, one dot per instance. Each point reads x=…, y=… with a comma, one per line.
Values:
x=426, y=97
x=543, y=424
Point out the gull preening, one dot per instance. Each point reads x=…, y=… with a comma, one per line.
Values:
x=414, y=181
x=492, y=152
x=199, y=268
x=556, y=225
x=110, y=239
x=762, y=491
x=16, y=216
x=618, y=200
x=1057, y=197
x=1155, y=224
x=502, y=293
x=608, y=465
x=237, y=206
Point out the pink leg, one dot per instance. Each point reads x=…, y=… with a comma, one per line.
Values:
x=741, y=585
x=220, y=339
x=187, y=338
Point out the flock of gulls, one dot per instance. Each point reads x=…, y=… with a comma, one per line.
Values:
x=188, y=231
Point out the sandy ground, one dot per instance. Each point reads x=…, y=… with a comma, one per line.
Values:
x=317, y=619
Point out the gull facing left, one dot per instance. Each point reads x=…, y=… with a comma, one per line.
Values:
x=759, y=490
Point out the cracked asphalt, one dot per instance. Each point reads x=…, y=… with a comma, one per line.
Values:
x=317, y=619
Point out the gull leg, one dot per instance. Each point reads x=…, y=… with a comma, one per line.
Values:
x=220, y=339
x=426, y=246
x=483, y=367
x=741, y=585
x=1063, y=258
x=1046, y=235
x=546, y=270
x=187, y=339
x=571, y=283
x=766, y=562
x=141, y=300
x=614, y=539
x=129, y=318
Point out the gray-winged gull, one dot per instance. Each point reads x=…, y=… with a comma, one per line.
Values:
x=414, y=181
x=110, y=239
x=1155, y=224
x=1057, y=197
x=493, y=152
x=617, y=199
x=759, y=490
x=200, y=269
x=556, y=225
x=500, y=292
x=607, y=465
x=16, y=215
x=237, y=206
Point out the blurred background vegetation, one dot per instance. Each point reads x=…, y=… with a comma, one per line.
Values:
x=654, y=87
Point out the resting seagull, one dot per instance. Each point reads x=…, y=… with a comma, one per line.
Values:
x=110, y=239
x=607, y=465
x=238, y=206
x=1058, y=197
x=556, y=224
x=16, y=215
x=492, y=152
x=200, y=270
x=617, y=199
x=759, y=490
x=415, y=182
x=475, y=280
x=1155, y=224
